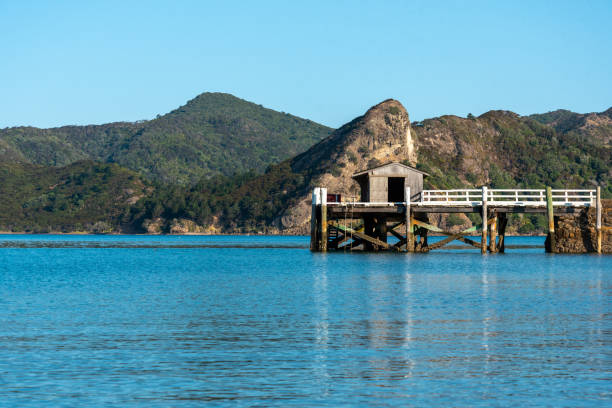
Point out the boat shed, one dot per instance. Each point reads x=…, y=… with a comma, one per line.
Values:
x=387, y=183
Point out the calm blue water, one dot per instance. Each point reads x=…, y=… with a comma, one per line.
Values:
x=284, y=327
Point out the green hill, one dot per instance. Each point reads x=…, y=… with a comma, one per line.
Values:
x=83, y=196
x=500, y=149
x=212, y=134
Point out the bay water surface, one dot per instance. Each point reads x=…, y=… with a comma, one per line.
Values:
x=261, y=321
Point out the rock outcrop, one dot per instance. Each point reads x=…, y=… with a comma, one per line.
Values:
x=499, y=148
x=183, y=226
x=577, y=234
x=382, y=135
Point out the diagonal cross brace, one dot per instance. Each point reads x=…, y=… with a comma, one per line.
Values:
x=363, y=236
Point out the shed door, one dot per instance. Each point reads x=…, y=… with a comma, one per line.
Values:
x=396, y=189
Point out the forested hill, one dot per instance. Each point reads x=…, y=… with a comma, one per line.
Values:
x=213, y=134
x=595, y=127
x=83, y=196
x=499, y=148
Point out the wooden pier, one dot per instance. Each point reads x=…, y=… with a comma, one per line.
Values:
x=341, y=225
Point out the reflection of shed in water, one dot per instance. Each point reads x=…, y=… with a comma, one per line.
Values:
x=387, y=183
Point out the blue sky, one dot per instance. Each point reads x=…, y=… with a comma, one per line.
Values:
x=76, y=62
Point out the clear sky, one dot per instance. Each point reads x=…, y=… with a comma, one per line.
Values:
x=82, y=62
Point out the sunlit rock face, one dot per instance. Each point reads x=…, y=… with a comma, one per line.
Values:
x=380, y=136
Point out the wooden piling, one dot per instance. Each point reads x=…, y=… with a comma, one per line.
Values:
x=323, y=219
x=493, y=238
x=503, y=221
x=551, y=220
x=313, y=220
x=381, y=229
x=483, y=239
x=409, y=230
x=598, y=221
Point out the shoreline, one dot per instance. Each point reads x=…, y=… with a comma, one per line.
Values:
x=206, y=234
x=144, y=234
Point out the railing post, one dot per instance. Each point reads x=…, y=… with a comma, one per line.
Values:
x=598, y=221
x=551, y=220
x=323, y=219
x=483, y=239
x=409, y=233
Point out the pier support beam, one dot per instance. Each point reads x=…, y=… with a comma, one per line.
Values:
x=314, y=225
x=381, y=229
x=323, y=200
x=598, y=220
x=485, y=219
x=369, y=229
x=503, y=221
x=493, y=238
x=551, y=220
x=409, y=227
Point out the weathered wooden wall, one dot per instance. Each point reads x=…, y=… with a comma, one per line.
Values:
x=378, y=189
x=415, y=182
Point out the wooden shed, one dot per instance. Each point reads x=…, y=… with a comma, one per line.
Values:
x=387, y=183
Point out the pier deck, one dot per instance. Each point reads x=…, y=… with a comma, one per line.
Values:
x=366, y=225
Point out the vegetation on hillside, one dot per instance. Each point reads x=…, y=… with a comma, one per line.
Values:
x=499, y=149
x=213, y=134
x=528, y=154
x=520, y=153
x=84, y=196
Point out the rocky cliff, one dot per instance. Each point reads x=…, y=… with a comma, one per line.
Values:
x=577, y=234
x=499, y=148
x=382, y=135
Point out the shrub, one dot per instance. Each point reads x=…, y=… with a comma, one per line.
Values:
x=393, y=110
x=101, y=227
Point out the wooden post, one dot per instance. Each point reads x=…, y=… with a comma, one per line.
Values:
x=369, y=230
x=493, y=238
x=551, y=220
x=503, y=220
x=424, y=243
x=409, y=230
x=483, y=239
x=313, y=220
x=381, y=228
x=323, y=219
x=598, y=221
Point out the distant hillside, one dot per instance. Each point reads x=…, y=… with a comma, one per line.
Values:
x=591, y=126
x=212, y=134
x=83, y=196
x=500, y=149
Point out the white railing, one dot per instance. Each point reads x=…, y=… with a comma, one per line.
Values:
x=507, y=197
x=452, y=197
x=474, y=197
